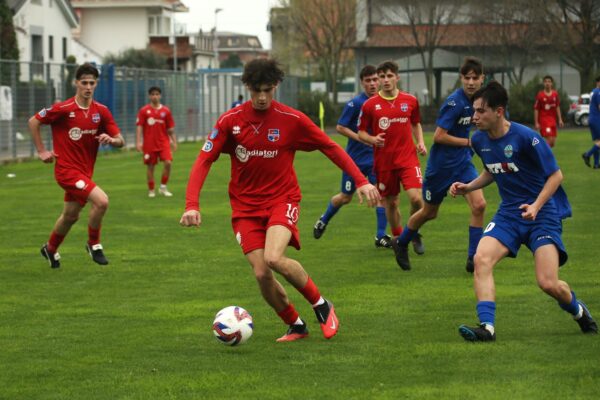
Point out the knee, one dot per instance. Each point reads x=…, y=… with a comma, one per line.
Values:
x=71, y=217
x=263, y=276
x=483, y=264
x=345, y=199
x=429, y=214
x=416, y=202
x=479, y=207
x=392, y=203
x=274, y=262
x=167, y=163
x=101, y=204
x=549, y=286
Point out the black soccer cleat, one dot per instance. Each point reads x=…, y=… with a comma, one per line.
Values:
x=319, y=229
x=417, y=243
x=586, y=322
x=470, y=267
x=294, y=332
x=53, y=258
x=95, y=251
x=385, y=241
x=586, y=160
x=476, y=334
x=401, y=253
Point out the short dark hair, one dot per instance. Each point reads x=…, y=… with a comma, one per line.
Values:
x=493, y=95
x=367, y=70
x=388, y=65
x=471, y=64
x=240, y=97
x=154, y=89
x=86, y=69
x=598, y=78
x=262, y=71
x=548, y=77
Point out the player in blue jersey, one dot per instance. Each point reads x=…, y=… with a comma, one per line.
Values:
x=533, y=205
x=361, y=154
x=450, y=161
x=594, y=120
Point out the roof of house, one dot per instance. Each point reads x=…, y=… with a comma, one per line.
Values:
x=65, y=6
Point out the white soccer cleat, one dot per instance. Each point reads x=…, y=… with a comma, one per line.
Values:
x=165, y=192
x=151, y=193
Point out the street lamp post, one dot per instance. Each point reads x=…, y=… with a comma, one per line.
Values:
x=216, y=39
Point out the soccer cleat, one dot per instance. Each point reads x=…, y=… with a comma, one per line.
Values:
x=319, y=229
x=384, y=241
x=470, y=267
x=417, y=243
x=586, y=159
x=53, y=258
x=165, y=192
x=294, y=332
x=596, y=166
x=151, y=193
x=95, y=251
x=586, y=322
x=476, y=334
x=401, y=253
x=329, y=322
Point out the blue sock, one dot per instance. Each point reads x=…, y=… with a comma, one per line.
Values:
x=475, y=234
x=573, y=307
x=329, y=213
x=406, y=236
x=381, y=221
x=596, y=158
x=592, y=151
x=486, y=311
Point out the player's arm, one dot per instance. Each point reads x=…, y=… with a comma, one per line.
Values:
x=345, y=131
x=459, y=188
x=36, y=135
x=559, y=115
x=377, y=141
x=138, y=138
x=441, y=136
x=536, y=115
x=172, y=138
x=530, y=211
x=115, y=141
x=417, y=130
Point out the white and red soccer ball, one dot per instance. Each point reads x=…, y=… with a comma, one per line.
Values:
x=233, y=326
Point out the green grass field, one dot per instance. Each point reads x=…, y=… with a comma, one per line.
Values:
x=141, y=327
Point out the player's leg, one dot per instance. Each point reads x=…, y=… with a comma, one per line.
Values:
x=98, y=200
x=382, y=239
x=150, y=160
x=416, y=203
x=338, y=201
x=595, y=149
x=411, y=230
x=477, y=204
x=63, y=224
x=277, y=239
x=166, y=173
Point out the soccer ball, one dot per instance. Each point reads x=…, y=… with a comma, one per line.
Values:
x=233, y=326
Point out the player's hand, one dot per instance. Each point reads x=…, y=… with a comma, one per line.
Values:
x=421, y=149
x=174, y=145
x=104, y=138
x=537, y=126
x=529, y=211
x=379, y=140
x=47, y=156
x=139, y=147
x=370, y=192
x=191, y=218
x=561, y=124
x=458, y=189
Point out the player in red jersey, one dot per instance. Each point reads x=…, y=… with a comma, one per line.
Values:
x=156, y=123
x=261, y=137
x=389, y=121
x=79, y=125
x=546, y=111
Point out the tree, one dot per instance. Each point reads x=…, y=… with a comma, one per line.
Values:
x=233, y=61
x=135, y=58
x=326, y=28
x=9, y=49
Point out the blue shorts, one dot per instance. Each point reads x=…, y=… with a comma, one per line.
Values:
x=436, y=185
x=348, y=185
x=595, y=129
x=513, y=232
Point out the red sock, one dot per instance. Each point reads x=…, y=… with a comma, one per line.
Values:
x=150, y=185
x=93, y=235
x=289, y=315
x=54, y=241
x=397, y=231
x=164, y=179
x=310, y=292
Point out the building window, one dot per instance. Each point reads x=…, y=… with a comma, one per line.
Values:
x=38, y=2
x=37, y=54
x=51, y=47
x=159, y=25
x=64, y=48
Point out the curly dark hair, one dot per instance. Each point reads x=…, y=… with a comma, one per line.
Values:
x=262, y=71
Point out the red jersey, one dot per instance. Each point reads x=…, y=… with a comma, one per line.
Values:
x=155, y=123
x=395, y=117
x=74, y=131
x=546, y=104
x=262, y=145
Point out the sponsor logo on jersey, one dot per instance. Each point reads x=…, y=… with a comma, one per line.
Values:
x=273, y=135
x=385, y=122
x=213, y=133
x=244, y=154
x=404, y=107
x=508, y=151
x=208, y=146
x=535, y=141
x=151, y=121
x=95, y=118
x=77, y=133
x=501, y=168
x=464, y=121
x=42, y=112
x=236, y=130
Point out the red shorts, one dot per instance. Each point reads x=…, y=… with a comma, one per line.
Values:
x=251, y=231
x=548, y=130
x=77, y=186
x=388, y=182
x=152, y=157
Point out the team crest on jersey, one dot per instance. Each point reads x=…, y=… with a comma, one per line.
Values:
x=404, y=107
x=95, y=118
x=451, y=103
x=163, y=114
x=213, y=133
x=148, y=111
x=508, y=151
x=350, y=104
x=273, y=135
x=42, y=113
x=236, y=130
x=208, y=146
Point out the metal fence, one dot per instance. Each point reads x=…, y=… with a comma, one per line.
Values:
x=195, y=99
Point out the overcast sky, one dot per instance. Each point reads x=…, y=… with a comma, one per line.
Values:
x=242, y=16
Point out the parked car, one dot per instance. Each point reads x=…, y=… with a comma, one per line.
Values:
x=581, y=111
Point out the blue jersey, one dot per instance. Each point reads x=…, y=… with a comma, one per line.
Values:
x=520, y=162
x=594, y=104
x=361, y=153
x=454, y=116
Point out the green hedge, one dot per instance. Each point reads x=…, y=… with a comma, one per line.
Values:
x=522, y=98
x=308, y=103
